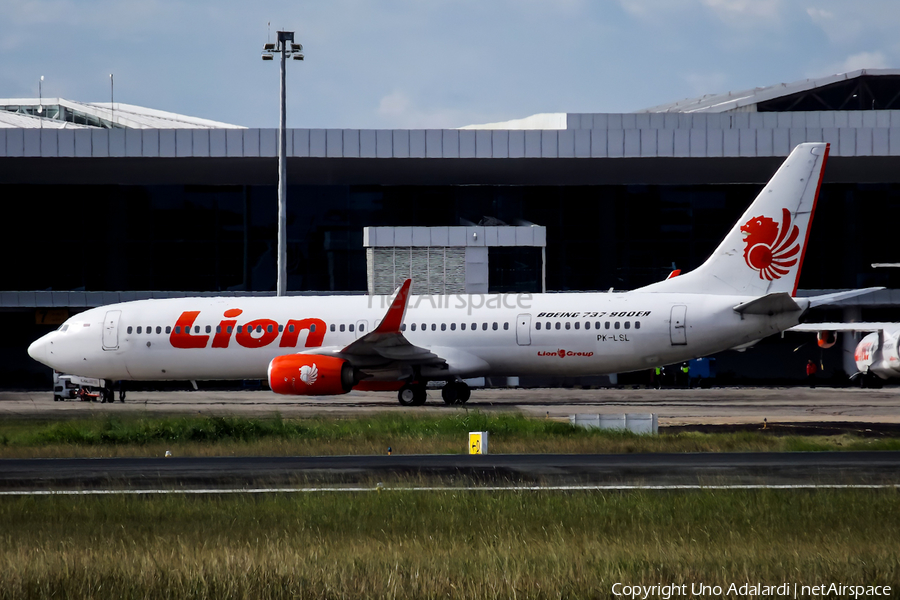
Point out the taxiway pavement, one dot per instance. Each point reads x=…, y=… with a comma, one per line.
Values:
x=715, y=406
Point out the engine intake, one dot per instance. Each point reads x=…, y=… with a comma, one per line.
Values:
x=310, y=375
x=826, y=339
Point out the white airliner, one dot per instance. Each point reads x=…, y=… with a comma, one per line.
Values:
x=876, y=355
x=330, y=345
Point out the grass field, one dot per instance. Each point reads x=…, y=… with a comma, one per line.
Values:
x=222, y=436
x=441, y=544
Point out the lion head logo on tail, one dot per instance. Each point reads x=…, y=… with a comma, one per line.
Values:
x=772, y=248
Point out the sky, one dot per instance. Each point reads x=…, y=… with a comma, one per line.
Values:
x=376, y=64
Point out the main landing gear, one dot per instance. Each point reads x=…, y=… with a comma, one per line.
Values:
x=412, y=394
x=456, y=392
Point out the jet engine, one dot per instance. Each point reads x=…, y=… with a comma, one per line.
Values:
x=826, y=339
x=310, y=375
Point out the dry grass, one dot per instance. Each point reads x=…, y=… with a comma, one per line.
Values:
x=440, y=544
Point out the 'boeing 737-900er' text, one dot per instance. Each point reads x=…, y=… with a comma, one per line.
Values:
x=330, y=345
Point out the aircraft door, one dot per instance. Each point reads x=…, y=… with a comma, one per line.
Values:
x=677, y=327
x=362, y=328
x=523, y=330
x=111, y=330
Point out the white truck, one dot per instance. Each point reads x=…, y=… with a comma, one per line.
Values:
x=74, y=387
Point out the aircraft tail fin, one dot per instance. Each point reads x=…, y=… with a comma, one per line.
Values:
x=763, y=252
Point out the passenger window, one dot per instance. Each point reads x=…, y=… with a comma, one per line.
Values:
x=494, y=326
x=178, y=330
x=280, y=328
x=218, y=329
x=259, y=329
x=617, y=325
x=351, y=327
x=290, y=328
x=268, y=329
x=587, y=324
x=129, y=329
x=208, y=329
x=403, y=327
x=462, y=326
x=169, y=329
x=597, y=325
x=196, y=329
x=158, y=329
x=484, y=326
x=537, y=325
x=240, y=329
x=362, y=327
x=229, y=329
x=568, y=325
x=434, y=326
x=607, y=324
x=637, y=324
x=443, y=327
x=312, y=328
x=547, y=325
x=577, y=325
x=627, y=324
x=139, y=329
x=558, y=325
x=342, y=327
x=413, y=326
x=452, y=326
x=505, y=326
x=332, y=326
x=474, y=326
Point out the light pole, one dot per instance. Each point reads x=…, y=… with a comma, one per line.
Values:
x=112, y=97
x=41, y=101
x=287, y=48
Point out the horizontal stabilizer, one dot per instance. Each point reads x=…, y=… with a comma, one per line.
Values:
x=770, y=304
x=826, y=299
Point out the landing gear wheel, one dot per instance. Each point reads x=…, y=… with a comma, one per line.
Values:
x=456, y=392
x=407, y=395
x=464, y=392
x=420, y=395
x=56, y=398
x=450, y=393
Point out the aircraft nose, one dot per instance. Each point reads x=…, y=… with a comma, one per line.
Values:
x=39, y=350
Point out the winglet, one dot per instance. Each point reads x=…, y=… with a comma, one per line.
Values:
x=395, y=313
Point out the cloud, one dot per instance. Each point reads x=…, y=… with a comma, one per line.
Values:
x=861, y=60
x=735, y=11
x=740, y=13
x=707, y=83
x=398, y=110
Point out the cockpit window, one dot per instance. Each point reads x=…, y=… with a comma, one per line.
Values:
x=64, y=326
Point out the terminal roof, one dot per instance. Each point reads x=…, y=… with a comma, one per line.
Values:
x=59, y=113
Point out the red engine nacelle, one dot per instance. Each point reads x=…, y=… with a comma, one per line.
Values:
x=826, y=339
x=310, y=375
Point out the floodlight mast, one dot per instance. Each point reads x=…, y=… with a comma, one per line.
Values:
x=286, y=47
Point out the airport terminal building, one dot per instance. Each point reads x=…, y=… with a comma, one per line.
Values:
x=113, y=202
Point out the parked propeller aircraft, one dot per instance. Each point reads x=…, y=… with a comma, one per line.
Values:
x=331, y=345
x=876, y=355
